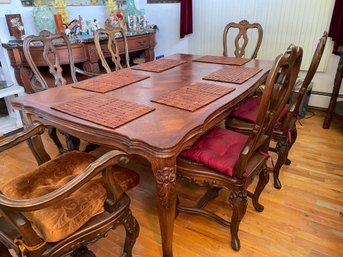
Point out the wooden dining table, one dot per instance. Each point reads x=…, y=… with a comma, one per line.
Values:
x=160, y=134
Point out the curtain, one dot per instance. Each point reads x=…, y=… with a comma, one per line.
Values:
x=336, y=25
x=186, y=18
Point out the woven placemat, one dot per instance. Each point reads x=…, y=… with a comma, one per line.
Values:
x=222, y=60
x=103, y=110
x=233, y=74
x=194, y=96
x=158, y=66
x=109, y=82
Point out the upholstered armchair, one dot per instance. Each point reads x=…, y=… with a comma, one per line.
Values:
x=66, y=202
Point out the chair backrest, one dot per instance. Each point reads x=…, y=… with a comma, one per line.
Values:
x=113, y=47
x=51, y=56
x=279, y=85
x=293, y=112
x=243, y=27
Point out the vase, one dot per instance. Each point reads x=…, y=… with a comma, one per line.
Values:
x=131, y=14
x=43, y=18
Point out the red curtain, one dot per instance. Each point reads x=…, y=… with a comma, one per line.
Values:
x=186, y=18
x=336, y=26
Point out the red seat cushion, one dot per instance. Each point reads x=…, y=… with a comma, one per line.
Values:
x=248, y=110
x=218, y=149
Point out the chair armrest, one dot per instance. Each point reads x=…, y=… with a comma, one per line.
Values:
x=27, y=133
x=109, y=159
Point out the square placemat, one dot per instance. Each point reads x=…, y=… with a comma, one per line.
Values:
x=158, y=65
x=109, y=82
x=222, y=60
x=194, y=96
x=233, y=74
x=103, y=110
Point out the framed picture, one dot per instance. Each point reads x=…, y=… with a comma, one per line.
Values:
x=15, y=25
x=162, y=1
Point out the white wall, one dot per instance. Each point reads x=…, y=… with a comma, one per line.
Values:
x=300, y=22
x=166, y=17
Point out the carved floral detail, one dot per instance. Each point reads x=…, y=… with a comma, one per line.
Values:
x=165, y=180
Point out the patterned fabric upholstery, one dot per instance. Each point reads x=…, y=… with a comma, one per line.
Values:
x=68, y=215
x=218, y=149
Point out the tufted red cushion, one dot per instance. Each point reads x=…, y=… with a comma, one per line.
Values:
x=248, y=110
x=218, y=149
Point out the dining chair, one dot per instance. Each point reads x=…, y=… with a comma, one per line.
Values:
x=113, y=47
x=50, y=56
x=66, y=203
x=225, y=159
x=285, y=131
x=240, y=33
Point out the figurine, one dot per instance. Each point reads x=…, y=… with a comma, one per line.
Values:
x=141, y=22
x=94, y=26
x=74, y=27
x=132, y=22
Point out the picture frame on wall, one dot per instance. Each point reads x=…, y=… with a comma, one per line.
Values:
x=15, y=25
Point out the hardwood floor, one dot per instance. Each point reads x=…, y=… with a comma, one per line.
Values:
x=304, y=218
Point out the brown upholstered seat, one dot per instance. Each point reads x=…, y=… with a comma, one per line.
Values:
x=66, y=202
x=241, y=38
x=224, y=159
x=112, y=48
x=285, y=132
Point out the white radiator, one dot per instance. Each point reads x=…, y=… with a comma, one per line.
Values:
x=301, y=22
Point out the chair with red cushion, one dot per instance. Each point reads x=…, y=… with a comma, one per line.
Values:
x=65, y=203
x=285, y=132
x=224, y=159
x=241, y=39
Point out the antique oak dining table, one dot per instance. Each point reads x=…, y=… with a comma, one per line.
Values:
x=159, y=135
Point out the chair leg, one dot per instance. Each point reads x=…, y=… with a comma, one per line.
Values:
x=53, y=135
x=91, y=147
x=212, y=193
x=82, y=251
x=132, y=231
x=73, y=143
x=4, y=251
x=282, y=153
x=294, y=135
x=238, y=202
x=262, y=182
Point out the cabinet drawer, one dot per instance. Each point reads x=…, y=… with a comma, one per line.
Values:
x=138, y=43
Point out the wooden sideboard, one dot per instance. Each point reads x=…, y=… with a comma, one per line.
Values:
x=84, y=52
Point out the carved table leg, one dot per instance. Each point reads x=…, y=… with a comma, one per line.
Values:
x=165, y=175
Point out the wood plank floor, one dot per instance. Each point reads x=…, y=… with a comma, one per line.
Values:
x=304, y=218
